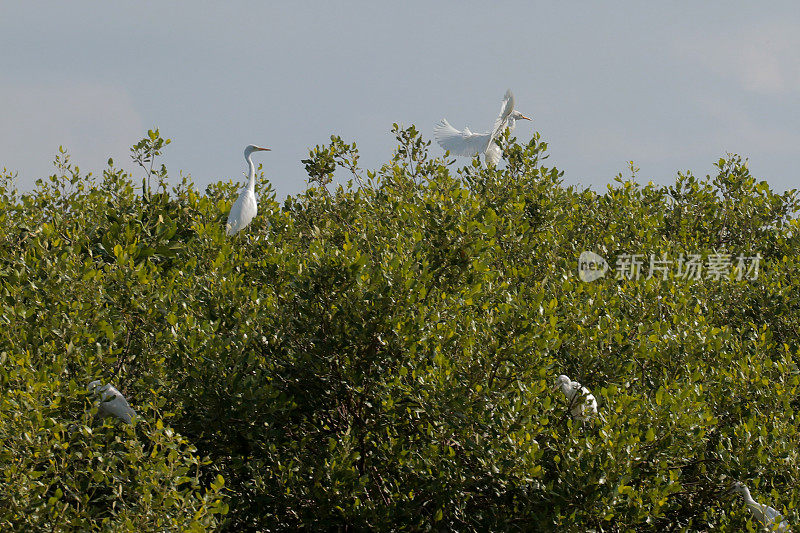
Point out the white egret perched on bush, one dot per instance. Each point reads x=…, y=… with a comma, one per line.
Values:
x=582, y=403
x=245, y=207
x=469, y=144
x=111, y=402
x=768, y=517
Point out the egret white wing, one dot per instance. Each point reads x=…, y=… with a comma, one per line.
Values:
x=583, y=402
x=493, y=154
x=458, y=142
x=110, y=402
x=505, y=109
x=773, y=519
x=114, y=403
x=242, y=212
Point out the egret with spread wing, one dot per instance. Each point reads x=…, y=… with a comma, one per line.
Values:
x=469, y=144
x=245, y=207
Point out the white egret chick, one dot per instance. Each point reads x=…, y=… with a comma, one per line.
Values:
x=245, y=207
x=582, y=403
x=469, y=144
x=110, y=402
x=768, y=517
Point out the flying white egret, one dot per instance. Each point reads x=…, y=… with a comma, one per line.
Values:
x=763, y=513
x=469, y=144
x=111, y=402
x=245, y=207
x=582, y=403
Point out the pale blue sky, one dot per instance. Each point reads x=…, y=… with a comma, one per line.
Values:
x=672, y=86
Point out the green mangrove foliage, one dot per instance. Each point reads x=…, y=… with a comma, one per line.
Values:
x=381, y=354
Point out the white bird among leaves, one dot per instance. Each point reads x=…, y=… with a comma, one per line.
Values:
x=245, y=207
x=467, y=143
x=768, y=517
x=582, y=403
x=110, y=401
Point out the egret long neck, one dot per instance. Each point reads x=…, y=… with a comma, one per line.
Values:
x=251, y=176
x=750, y=501
x=568, y=391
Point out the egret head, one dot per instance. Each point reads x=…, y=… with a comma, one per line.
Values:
x=254, y=148
x=739, y=488
x=97, y=389
x=516, y=115
x=562, y=382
